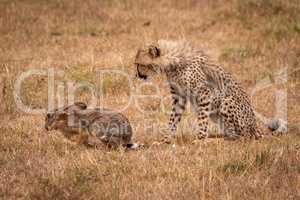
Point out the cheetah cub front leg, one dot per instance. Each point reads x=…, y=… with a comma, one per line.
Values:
x=203, y=109
x=178, y=107
x=201, y=102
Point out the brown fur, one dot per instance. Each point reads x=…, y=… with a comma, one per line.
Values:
x=78, y=124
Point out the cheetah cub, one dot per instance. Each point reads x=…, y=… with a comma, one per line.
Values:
x=79, y=124
x=192, y=76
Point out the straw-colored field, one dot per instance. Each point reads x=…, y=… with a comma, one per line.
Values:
x=256, y=40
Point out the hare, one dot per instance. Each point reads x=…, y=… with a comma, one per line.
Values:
x=78, y=123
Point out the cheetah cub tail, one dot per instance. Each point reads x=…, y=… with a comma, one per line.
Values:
x=277, y=126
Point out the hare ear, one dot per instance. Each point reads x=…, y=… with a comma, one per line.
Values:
x=81, y=105
x=154, y=51
x=63, y=116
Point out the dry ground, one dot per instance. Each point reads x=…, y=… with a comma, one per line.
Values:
x=253, y=39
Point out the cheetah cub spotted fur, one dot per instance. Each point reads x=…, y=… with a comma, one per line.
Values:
x=192, y=76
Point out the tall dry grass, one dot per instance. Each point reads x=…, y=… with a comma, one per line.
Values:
x=253, y=39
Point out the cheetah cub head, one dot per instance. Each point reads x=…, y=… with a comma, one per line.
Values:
x=146, y=61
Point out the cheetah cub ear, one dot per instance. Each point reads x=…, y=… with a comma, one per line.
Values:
x=154, y=51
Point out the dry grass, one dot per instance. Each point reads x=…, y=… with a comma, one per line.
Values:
x=254, y=39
